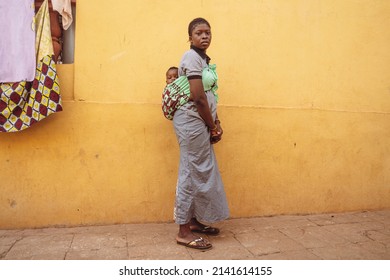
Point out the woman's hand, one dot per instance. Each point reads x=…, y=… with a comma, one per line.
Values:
x=216, y=135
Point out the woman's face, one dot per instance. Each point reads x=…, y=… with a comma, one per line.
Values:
x=201, y=36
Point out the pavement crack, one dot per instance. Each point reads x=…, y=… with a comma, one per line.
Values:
x=127, y=247
x=10, y=248
x=239, y=242
x=312, y=251
x=70, y=246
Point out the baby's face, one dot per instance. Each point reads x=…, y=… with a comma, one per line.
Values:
x=171, y=76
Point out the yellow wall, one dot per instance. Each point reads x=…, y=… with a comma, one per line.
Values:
x=304, y=102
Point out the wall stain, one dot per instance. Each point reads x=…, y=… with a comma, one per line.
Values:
x=12, y=203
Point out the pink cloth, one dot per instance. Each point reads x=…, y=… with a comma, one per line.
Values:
x=17, y=41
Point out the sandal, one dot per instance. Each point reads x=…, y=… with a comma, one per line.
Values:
x=196, y=244
x=207, y=230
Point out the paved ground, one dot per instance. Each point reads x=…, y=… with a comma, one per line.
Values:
x=342, y=236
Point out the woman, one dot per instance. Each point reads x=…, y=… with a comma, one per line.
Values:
x=200, y=194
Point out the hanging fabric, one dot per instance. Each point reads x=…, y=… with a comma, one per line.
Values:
x=64, y=8
x=24, y=103
x=17, y=41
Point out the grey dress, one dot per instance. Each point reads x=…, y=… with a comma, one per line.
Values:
x=199, y=191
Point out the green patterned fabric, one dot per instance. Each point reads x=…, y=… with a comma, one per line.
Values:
x=210, y=79
x=177, y=93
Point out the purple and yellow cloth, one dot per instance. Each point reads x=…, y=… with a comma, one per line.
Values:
x=23, y=103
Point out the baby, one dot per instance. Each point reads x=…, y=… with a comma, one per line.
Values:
x=176, y=92
x=172, y=74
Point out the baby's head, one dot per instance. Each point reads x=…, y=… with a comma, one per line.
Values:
x=172, y=74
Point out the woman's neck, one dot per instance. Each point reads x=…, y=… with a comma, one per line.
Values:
x=202, y=53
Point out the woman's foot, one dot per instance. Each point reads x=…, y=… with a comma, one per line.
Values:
x=188, y=239
x=196, y=226
x=198, y=243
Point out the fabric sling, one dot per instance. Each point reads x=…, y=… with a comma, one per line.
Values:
x=177, y=93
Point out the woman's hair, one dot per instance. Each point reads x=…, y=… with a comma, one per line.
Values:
x=195, y=22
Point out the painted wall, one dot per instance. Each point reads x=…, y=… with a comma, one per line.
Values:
x=304, y=103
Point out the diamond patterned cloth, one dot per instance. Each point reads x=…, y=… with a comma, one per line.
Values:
x=24, y=103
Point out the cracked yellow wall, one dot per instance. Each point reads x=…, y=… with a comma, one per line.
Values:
x=304, y=102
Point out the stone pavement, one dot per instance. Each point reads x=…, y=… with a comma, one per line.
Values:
x=338, y=236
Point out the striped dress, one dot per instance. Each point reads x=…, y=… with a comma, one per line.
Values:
x=199, y=192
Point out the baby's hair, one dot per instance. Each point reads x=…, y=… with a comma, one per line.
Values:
x=196, y=22
x=172, y=68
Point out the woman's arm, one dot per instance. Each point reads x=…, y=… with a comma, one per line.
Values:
x=199, y=97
